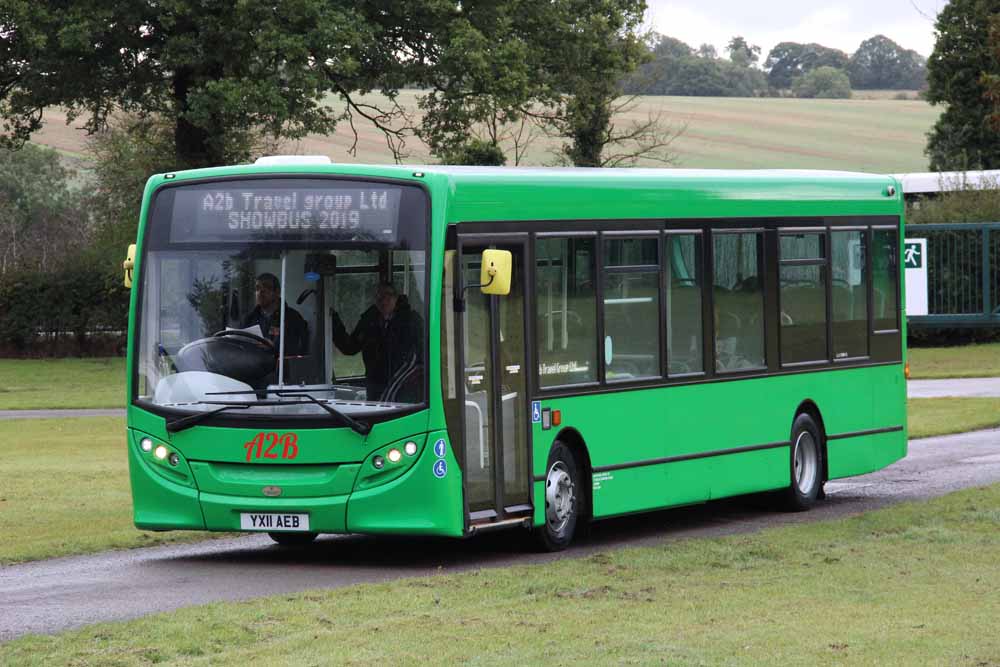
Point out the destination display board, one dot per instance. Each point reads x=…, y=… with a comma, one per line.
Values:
x=250, y=211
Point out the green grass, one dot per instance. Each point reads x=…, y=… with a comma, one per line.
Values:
x=64, y=490
x=964, y=361
x=914, y=584
x=941, y=416
x=27, y=384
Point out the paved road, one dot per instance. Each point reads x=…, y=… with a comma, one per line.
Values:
x=54, y=595
x=969, y=387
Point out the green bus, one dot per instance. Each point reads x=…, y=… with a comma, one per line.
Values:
x=325, y=348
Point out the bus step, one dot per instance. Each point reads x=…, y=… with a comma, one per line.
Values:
x=519, y=522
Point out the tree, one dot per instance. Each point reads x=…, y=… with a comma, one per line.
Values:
x=561, y=64
x=958, y=75
x=676, y=70
x=882, y=63
x=708, y=52
x=823, y=82
x=42, y=219
x=991, y=81
x=741, y=53
x=789, y=60
x=217, y=69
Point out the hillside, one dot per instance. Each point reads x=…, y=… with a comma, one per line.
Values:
x=875, y=134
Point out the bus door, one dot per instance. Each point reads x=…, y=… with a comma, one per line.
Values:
x=493, y=371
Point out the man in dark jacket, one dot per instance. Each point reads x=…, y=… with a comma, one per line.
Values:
x=389, y=336
x=267, y=290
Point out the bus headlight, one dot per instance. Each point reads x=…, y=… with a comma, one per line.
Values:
x=146, y=444
x=395, y=455
x=160, y=452
x=410, y=448
x=378, y=462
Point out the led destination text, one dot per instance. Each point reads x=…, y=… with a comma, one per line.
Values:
x=296, y=211
x=261, y=214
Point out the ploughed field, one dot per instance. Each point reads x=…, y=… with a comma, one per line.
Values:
x=873, y=134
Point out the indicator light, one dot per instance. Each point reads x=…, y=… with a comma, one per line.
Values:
x=378, y=462
x=160, y=452
x=174, y=459
x=395, y=455
x=410, y=448
x=146, y=444
x=556, y=417
x=906, y=370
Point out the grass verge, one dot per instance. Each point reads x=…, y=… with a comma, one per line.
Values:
x=965, y=361
x=940, y=416
x=30, y=384
x=912, y=584
x=64, y=490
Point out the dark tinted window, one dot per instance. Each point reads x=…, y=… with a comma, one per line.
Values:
x=738, y=292
x=683, y=304
x=802, y=274
x=631, y=309
x=566, y=322
x=849, y=294
x=885, y=279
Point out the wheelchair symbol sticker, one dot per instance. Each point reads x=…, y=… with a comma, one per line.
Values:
x=439, y=448
x=440, y=468
x=536, y=412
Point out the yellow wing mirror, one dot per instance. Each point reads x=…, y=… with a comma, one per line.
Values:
x=495, y=274
x=129, y=264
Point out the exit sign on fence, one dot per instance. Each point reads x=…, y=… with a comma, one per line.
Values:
x=915, y=275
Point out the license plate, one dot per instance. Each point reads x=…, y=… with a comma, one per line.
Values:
x=274, y=522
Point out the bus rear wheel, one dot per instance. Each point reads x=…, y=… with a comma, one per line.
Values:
x=293, y=539
x=806, y=465
x=563, y=500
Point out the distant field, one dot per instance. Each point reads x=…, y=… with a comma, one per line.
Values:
x=875, y=134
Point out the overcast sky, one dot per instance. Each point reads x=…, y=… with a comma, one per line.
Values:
x=841, y=24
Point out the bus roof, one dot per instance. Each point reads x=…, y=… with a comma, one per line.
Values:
x=536, y=193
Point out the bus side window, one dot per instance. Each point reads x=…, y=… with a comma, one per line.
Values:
x=739, y=300
x=566, y=317
x=683, y=304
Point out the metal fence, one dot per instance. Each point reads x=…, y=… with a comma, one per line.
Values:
x=963, y=276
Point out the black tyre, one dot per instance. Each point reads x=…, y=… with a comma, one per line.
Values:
x=563, y=499
x=292, y=539
x=806, y=465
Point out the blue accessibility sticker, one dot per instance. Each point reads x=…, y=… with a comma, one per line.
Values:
x=440, y=468
x=440, y=448
x=536, y=412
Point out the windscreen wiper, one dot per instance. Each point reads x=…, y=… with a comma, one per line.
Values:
x=359, y=427
x=181, y=423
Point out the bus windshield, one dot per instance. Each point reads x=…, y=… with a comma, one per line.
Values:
x=283, y=296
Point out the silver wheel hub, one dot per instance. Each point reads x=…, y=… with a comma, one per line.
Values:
x=560, y=497
x=805, y=463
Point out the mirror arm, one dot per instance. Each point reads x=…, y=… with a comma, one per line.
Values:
x=460, y=299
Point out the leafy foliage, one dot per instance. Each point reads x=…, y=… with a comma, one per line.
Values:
x=958, y=74
x=675, y=69
x=42, y=219
x=880, y=63
x=217, y=69
x=790, y=60
x=823, y=82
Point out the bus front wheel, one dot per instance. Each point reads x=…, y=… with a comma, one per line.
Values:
x=563, y=491
x=806, y=463
x=292, y=539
